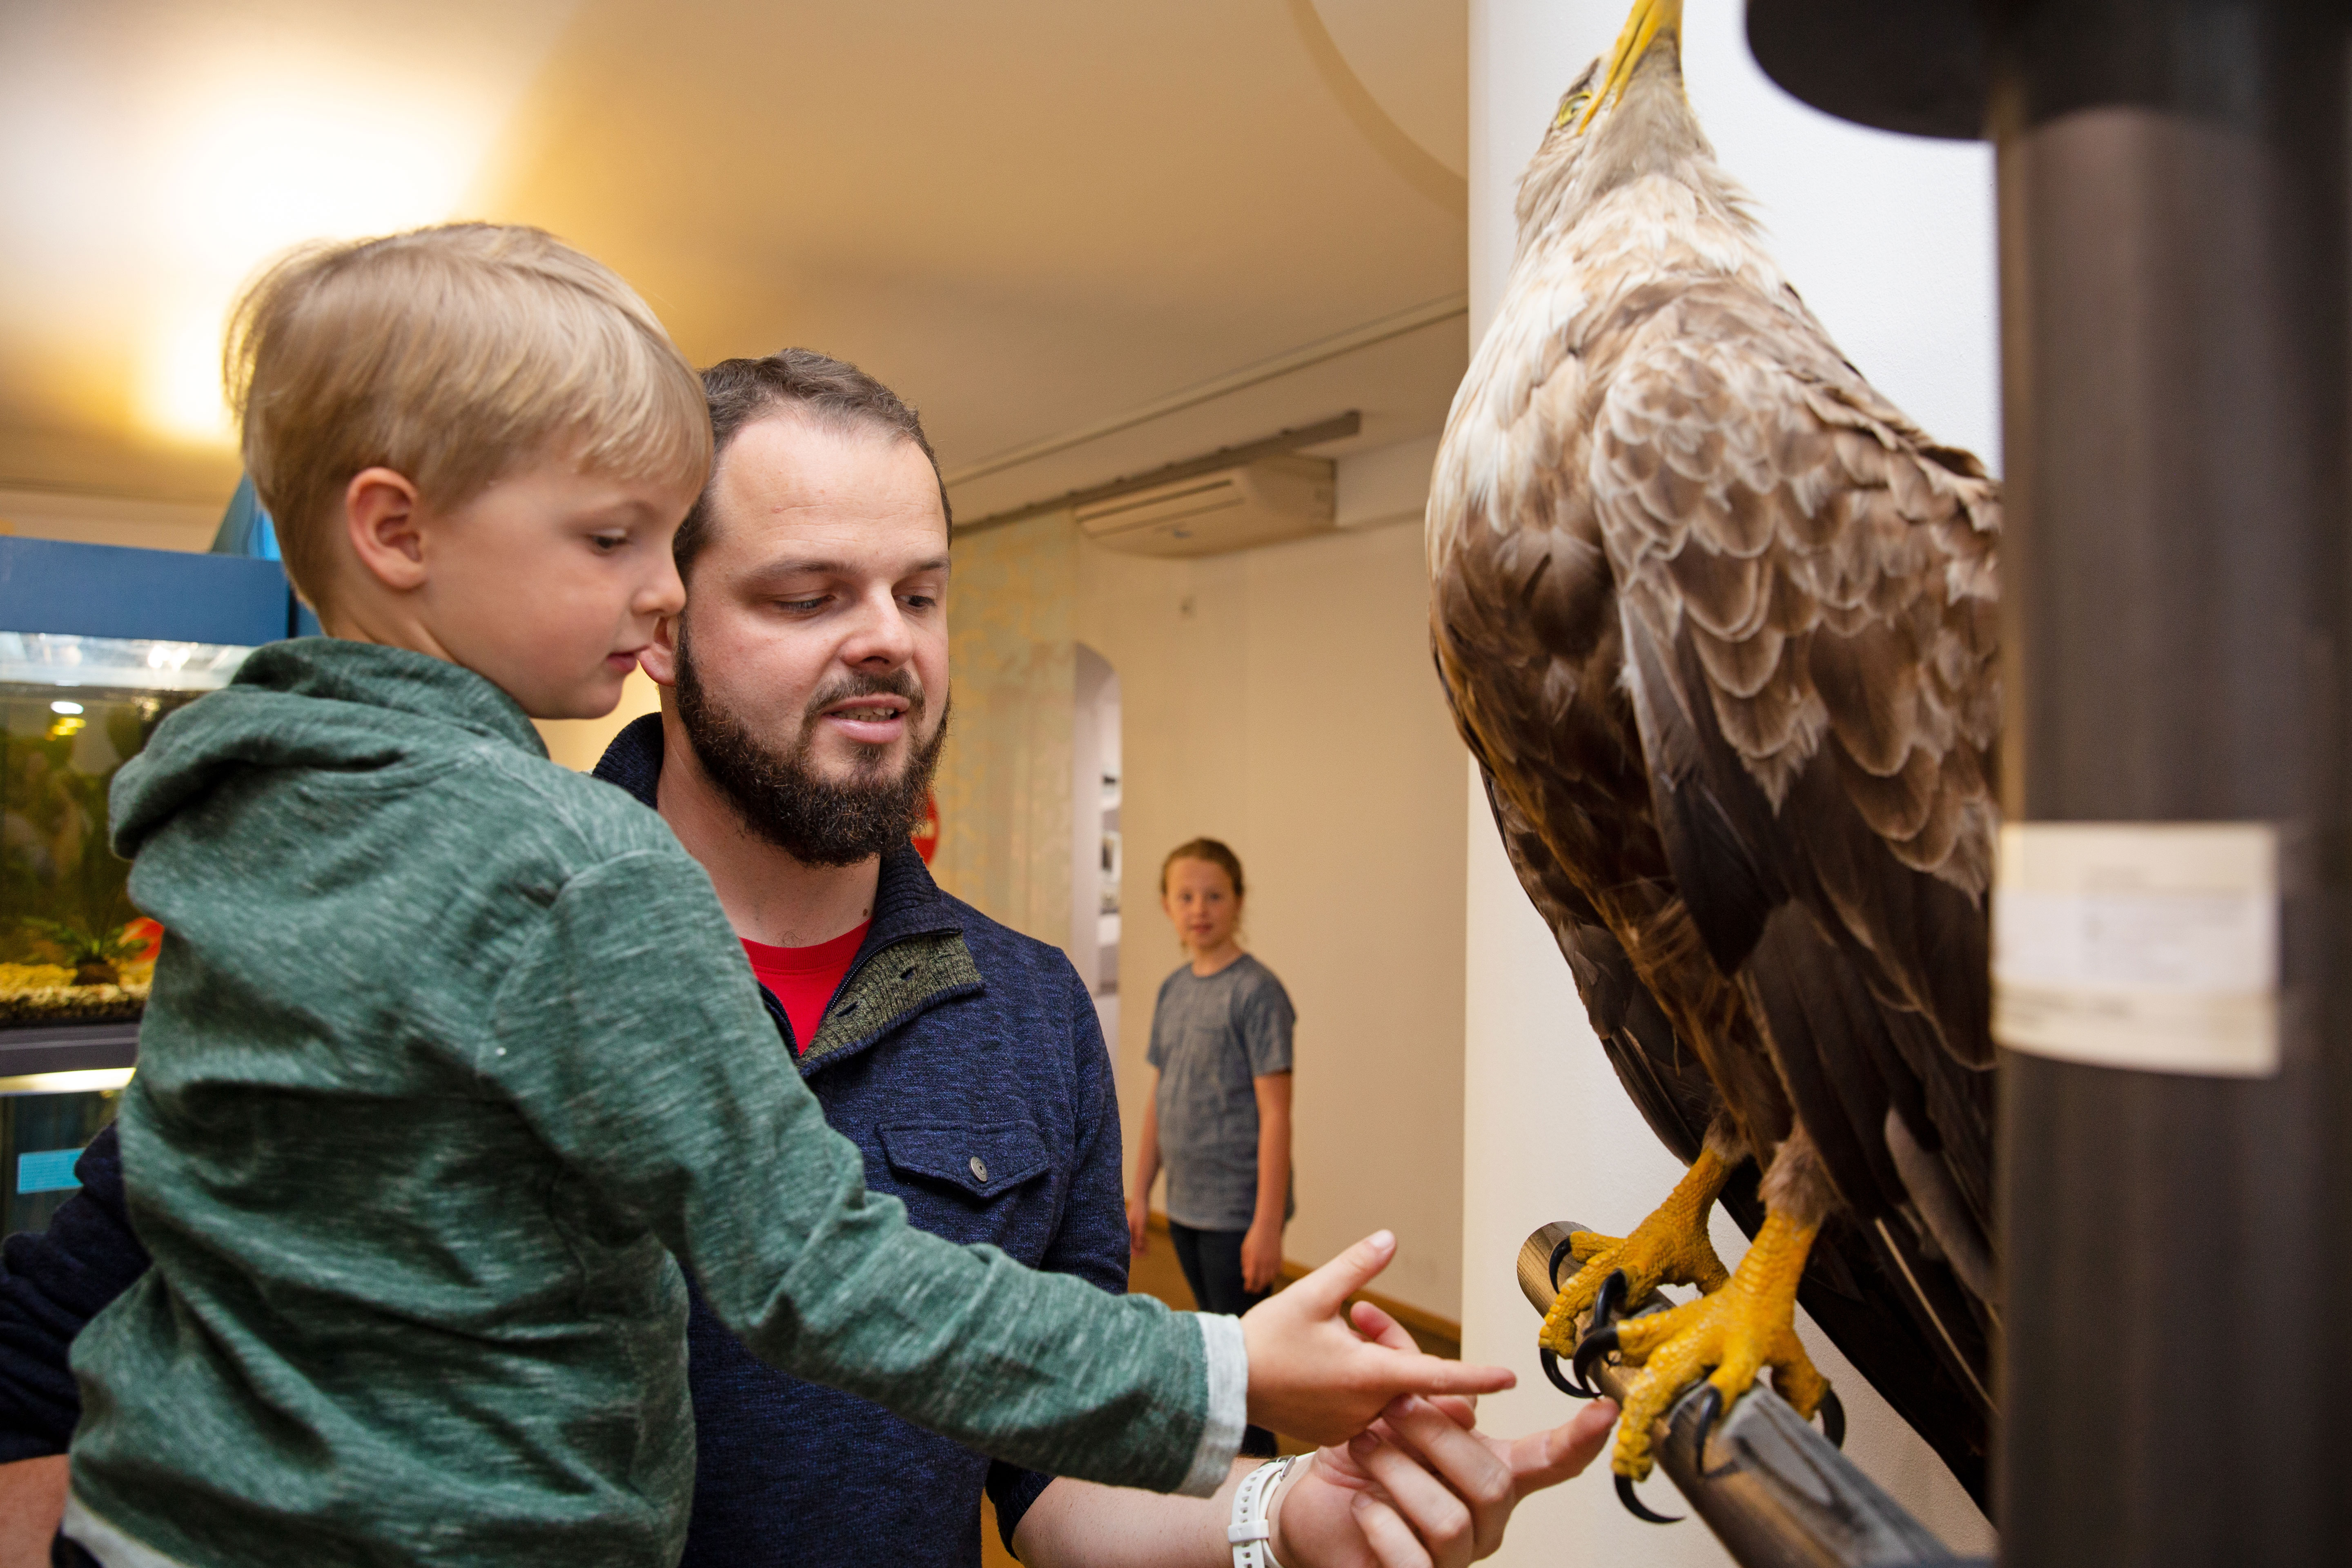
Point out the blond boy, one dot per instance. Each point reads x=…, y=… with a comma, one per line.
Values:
x=452, y=1052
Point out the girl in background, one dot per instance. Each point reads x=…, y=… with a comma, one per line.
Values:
x=1220, y=1109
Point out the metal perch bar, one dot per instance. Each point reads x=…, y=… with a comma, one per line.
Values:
x=1769, y=1485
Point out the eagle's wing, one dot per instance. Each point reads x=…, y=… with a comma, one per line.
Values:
x=1665, y=1079
x=1807, y=595
x=1847, y=1288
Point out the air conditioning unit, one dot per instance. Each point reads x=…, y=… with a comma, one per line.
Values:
x=1264, y=502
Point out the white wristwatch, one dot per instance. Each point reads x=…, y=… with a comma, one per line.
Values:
x=1250, y=1533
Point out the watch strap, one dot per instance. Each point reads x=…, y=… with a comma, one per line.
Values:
x=1250, y=1534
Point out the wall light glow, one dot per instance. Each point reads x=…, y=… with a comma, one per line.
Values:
x=155, y=154
x=180, y=392
x=261, y=165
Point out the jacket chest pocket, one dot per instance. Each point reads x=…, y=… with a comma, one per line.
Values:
x=972, y=1164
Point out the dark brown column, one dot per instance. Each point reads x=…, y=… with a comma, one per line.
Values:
x=2176, y=1387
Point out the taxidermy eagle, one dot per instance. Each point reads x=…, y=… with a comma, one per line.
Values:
x=1718, y=624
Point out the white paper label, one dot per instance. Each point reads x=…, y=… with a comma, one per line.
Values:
x=2144, y=945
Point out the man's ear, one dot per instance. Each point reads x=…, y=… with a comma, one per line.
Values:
x=659, y=658
x=381, y=514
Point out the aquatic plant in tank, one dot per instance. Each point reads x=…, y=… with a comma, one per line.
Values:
x=73, y=949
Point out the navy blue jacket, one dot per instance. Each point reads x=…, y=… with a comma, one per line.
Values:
x=1007, y=1072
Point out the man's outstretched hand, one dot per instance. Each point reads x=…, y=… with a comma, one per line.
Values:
x=1314, y=1377
x=1424, y=1489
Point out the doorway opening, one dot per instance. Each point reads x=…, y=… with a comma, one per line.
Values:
x=1096, y=858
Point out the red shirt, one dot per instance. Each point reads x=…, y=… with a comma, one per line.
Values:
x=804, y=978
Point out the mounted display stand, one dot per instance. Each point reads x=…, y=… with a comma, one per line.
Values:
x=2177, y=600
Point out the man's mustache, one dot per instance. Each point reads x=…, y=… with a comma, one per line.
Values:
x=899, y=682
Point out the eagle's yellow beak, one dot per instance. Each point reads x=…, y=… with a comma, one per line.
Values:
x=1649, y=18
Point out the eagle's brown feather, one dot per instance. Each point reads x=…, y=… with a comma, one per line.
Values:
x=1718, y=624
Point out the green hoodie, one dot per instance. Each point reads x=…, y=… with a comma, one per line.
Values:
x=450, y=1053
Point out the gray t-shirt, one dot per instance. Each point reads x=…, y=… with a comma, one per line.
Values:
x=1209, y=1036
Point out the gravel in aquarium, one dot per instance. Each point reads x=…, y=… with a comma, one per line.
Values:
x=47, y=993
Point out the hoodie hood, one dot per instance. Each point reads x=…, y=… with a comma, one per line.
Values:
x=310, y=702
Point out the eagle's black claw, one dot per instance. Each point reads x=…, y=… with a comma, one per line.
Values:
x=1710, y=1409
x=1551, y=1361
x=1634, y=1507
x=1559, y=1379
x=1609, y=1301
x=1567, y=1245
x=1832, y=1418
x=1588, y=1351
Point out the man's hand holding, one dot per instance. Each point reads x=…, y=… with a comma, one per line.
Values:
x=1314, y=1377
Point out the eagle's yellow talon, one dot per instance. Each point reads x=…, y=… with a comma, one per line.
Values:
x=1728, y=1338
x=1558, y=1333
x=1670, y=1248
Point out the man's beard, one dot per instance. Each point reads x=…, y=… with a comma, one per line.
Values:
x=778, y=793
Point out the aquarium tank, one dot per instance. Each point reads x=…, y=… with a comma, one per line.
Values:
x=98, y=646
x=41, y=1135
x=72, y=948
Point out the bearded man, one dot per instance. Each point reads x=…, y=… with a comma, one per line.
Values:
x=804, y=705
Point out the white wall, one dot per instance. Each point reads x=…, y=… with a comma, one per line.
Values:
x=1282, y=699
x=1891, y=241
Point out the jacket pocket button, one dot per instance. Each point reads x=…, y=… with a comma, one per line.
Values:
x=978, y=1169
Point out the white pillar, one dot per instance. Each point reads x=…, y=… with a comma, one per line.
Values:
x=1891, y=240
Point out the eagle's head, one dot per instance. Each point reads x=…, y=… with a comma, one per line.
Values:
x=1626, y=116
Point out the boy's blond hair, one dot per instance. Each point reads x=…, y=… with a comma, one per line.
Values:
x=448, y=355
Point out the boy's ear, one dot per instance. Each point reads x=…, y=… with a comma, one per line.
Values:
x=659, y=658
x=381, y=512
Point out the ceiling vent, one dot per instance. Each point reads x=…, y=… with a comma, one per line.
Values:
x=1264, y=502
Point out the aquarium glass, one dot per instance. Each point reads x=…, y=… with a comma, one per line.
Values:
x=43, y=1127
x=72, y=709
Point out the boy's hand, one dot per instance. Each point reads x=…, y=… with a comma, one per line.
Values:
x=1261, y=1256
x=1314, y=1377
x=1423, y=1487
x=1139, y=1221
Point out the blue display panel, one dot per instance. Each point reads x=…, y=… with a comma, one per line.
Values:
x=169, y=595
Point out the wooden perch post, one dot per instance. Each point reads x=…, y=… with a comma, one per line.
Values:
x=1769, y=1485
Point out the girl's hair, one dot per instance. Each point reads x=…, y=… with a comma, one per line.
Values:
x=1210, y=849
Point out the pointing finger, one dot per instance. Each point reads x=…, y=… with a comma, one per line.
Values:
x=1345, y=1275
x=1428, y=1374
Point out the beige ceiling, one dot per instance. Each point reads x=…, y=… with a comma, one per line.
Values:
x=1027, y=218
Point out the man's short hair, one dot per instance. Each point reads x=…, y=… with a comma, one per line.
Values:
x=449, y=355
x=830, y=391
